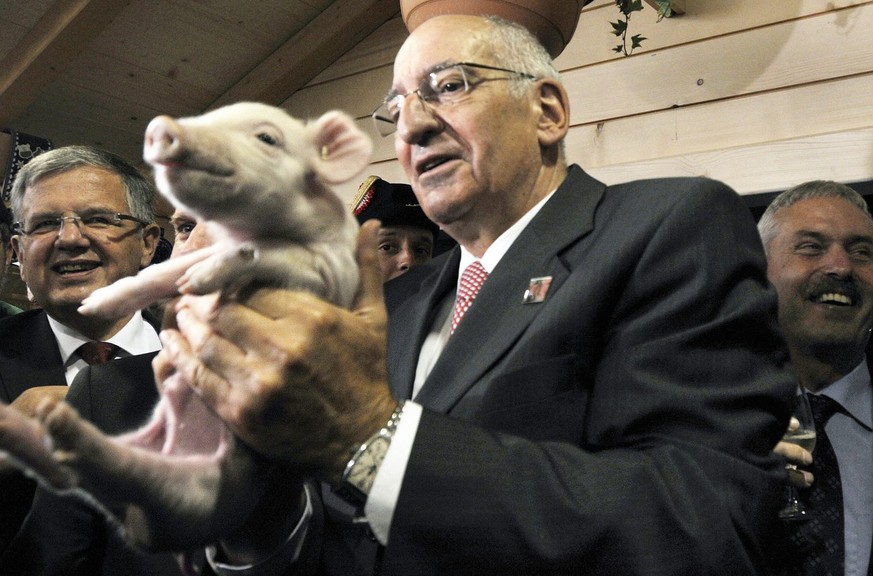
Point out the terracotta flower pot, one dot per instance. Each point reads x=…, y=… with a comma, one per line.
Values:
x=553, y=21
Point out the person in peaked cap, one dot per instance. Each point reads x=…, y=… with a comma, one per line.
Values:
x=407, y=237
x=6, y=309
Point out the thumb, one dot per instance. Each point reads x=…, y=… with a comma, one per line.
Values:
x=370, y=300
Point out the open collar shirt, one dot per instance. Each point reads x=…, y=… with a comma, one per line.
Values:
x=851, y=434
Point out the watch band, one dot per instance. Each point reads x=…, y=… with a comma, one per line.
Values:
x=362, y=468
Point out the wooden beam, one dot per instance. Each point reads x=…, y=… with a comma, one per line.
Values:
x=330, y=35
x=64, y=31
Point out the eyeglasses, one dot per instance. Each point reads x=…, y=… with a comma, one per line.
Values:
x=444, y=86
x=99, y=223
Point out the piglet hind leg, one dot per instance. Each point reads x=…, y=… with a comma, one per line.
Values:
x=162, y=502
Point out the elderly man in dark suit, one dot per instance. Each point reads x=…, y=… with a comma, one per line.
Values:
x=819, y=242
x=84, y=219
x=606, y=404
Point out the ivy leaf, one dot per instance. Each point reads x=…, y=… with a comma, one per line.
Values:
x=637, y=41
x=619, y=27
x=635, y=6
x=618, y=49
x=665, y=9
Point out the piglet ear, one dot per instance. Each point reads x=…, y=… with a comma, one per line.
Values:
x=342, y=150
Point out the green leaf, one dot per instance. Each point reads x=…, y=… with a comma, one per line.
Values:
x=635, y=6
x=619, y=27
x=665, y=9
x=637, y=41
x=618, y=49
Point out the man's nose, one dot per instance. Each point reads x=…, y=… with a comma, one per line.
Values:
x=404, y=258
x=70, y=229
x=417, y=118
x=837, y=262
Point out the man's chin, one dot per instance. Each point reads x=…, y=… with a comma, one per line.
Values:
x=837, y=335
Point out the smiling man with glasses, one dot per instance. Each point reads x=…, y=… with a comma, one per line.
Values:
x=84, y=219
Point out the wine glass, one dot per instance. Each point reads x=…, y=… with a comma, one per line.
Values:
x=804, y=436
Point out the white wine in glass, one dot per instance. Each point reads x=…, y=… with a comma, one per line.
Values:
x=803, y=436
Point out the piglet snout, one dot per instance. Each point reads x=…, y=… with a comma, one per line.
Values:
x=164, y=141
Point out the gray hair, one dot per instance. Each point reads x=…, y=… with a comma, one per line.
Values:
x=768, y=227
x=139, y=190
x=515, y=47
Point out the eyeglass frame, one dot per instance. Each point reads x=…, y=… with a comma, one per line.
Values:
x=385, y=120
x=18, y=227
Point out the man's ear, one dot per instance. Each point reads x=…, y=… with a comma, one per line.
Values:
x=554, y=108
x=150, y=236
x=16, y=246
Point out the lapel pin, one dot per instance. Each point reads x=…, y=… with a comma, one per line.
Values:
x=537, y=290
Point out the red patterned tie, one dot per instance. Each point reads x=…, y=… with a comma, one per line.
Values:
x=97, y=352
x=471, y=280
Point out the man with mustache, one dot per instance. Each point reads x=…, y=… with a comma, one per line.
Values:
x=818, y=237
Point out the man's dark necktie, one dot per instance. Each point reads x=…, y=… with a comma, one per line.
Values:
x=97, y=352
x=817, y=544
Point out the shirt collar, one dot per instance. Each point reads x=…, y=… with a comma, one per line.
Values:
x=854, y=393
x=136, y=337
x=503, y=242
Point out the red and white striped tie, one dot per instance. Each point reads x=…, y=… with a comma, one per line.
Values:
x=471, y=281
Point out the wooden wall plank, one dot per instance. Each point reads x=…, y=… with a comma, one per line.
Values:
x=842, y=156
x=812, y=49
x=376, y=50
x=830, y=45
x=593, y=41
x=780, y=114
x=776, y=115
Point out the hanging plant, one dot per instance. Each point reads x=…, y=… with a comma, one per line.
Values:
x=620, y=27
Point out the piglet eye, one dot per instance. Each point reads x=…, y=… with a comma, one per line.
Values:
x=267, y=139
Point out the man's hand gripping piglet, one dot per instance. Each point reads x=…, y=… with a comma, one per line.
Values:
x=260, y=180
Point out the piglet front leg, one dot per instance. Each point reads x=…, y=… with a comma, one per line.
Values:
x=317, y=268
x=153, y=283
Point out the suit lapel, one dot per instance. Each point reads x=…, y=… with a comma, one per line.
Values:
x=419, y=316
x=499, y=315
x=34, y=357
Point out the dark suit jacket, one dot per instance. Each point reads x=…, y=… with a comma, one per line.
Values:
x=29, y=354
x=62, y=535
x=622, y=426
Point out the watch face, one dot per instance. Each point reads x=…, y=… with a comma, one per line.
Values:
x=367, y=464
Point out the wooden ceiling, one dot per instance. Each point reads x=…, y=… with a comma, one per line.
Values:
x=97, y=71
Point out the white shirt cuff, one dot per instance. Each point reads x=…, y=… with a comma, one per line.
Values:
x=382, y=500
x=276, y=563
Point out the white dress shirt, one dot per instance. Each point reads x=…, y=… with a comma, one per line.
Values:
x=382, y=499
x=136, y=337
